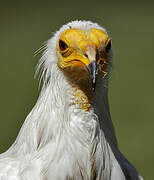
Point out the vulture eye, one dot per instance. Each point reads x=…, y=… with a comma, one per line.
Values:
x=62, y=45
x=108, y=46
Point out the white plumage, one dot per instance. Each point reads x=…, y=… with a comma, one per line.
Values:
x=59, y=140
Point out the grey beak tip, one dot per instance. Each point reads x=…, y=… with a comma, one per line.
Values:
x=93, y=71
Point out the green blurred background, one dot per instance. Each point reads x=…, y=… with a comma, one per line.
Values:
x=25, y=25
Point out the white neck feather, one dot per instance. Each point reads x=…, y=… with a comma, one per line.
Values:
x=56, y=126
x=58, y=139
x=54, y=114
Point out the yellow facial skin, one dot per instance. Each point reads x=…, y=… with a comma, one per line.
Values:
x=76, y=49
x=81, y=47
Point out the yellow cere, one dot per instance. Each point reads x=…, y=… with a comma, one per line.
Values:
x=77, y=43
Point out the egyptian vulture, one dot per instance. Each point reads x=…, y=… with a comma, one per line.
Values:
x=69, y=134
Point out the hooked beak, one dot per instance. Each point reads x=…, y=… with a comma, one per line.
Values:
x=93, y=71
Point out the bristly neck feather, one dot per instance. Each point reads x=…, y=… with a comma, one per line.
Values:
x=55, y=113
x=58, y=125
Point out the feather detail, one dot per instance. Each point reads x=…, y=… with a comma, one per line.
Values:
x=60, y=140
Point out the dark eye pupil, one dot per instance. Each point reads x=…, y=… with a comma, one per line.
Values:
x=62, y=45
x=108, y=46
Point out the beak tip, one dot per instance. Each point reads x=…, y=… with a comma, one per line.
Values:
x=93, y=71
x=93, y=87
